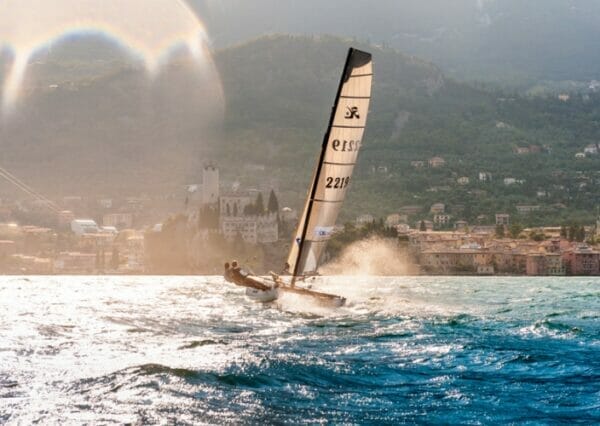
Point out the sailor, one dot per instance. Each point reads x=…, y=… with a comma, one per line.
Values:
x=236, y=271
x=227, y=273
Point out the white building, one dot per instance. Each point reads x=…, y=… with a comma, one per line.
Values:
x=441, y=219
x=502, y=219
x=84, y=226
x=436, y=162
x=525, y=208
x=252, y=229
x=485, y=176
x=438, y=208
x=118, y=220
x=463, y=180
x=233, y=204
x=365, y=219
x=393, y=220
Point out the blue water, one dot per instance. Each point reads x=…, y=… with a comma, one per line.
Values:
x=189, y=350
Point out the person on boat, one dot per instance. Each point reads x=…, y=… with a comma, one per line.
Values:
x=237, y=271
x=227, y=273
x=242, y=278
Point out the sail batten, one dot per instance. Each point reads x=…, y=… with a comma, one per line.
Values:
x=333, y=173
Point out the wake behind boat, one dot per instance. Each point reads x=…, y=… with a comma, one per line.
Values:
x=330, y=181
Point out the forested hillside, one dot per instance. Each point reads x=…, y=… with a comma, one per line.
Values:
x=106, y=127
x=279, y=92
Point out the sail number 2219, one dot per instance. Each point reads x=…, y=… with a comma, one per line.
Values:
x=337, y=183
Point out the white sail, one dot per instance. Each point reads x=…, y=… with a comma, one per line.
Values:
x=333, y=173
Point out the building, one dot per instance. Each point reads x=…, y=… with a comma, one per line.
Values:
x=580, y=155
x=591, y=149
x=365, y=219
x=426, y=223
x=525, y=208
x=436, y=162
x=23, y=264
x=402, y=229
x=509, y=181
x=545, y=264
x=210, y=185
x=417, y=164
x=502, y=219
x=393, y=220
x=463, y=180
x=75, y=263
x=520, y=150
x=441, y=219
x=582, y=260
x=252, y=229
x=105, y=203
x=438, y=208
x=84, y=226
x=233, y=204
x=118, y=220
x=485, y=176
x=461, y=225
x=410, y=210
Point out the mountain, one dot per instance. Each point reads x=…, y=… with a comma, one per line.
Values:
x=512, y=42
x=109, y=128
x=279, y=90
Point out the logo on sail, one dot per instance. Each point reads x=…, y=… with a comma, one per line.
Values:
x=352, y=112
x=323, y=231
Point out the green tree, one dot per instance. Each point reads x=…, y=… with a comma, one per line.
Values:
x=500, y=231
x=563, y=231
x=273, y=204
x=259, y=206
x=515, y=230
x=572, y=232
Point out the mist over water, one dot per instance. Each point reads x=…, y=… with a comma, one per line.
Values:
x=371, y=257
x=191, y=350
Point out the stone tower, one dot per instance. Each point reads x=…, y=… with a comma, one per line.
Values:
x=210, y=184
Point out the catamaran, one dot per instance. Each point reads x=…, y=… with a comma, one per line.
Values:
x=330, y=182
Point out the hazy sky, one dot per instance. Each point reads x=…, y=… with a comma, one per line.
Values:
x=555, y=39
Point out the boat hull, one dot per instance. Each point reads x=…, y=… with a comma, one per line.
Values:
x=262, y=296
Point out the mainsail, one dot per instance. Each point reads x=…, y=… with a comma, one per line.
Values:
x=333, y=172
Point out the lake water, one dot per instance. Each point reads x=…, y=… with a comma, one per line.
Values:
x=156, y=350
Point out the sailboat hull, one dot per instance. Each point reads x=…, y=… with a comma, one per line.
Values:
x=262, y=296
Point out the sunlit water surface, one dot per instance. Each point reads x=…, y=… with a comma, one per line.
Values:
x=191, y=350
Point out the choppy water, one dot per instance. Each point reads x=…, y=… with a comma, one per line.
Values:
x=191, y=350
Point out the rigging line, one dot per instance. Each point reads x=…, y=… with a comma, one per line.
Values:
x=22, y=186
x=16, y=180
x=13, y=177
x=46, y=202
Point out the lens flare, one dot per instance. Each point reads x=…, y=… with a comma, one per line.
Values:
x=149, y=29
